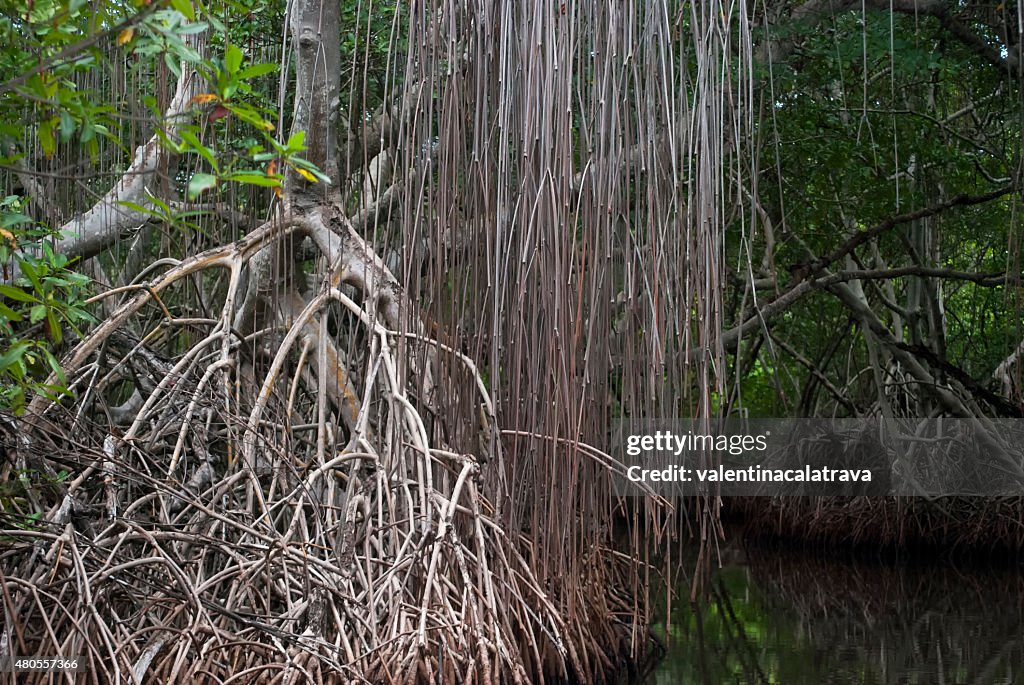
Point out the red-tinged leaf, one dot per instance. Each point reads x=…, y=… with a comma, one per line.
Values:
x=219, y=112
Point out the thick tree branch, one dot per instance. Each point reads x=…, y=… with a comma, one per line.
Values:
x=1004, y=372
x=233, y=255
x=814, y=267
x=984, y=280
x=315, y=34
x=816, y=11
x=806, y=276
x=943, y=11
x=798, y=290
x=1003, y=406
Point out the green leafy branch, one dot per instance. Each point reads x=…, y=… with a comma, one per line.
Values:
x=35, y=308
x=263, y=161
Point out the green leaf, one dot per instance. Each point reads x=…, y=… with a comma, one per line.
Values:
x=301, y=164
x=140, y=209
x=200, y=183
x=255, y=71
x=57, y=371
x=16, y=294
x=31, y=273
x=185, y=7
x=160, y=204
x=195, y=27
x=9, y=314
x=256, y=178
x=13, y=355
x=46, y=139
x=8, y=219
x=233, y=59
x=67, y=127
x=197, y=147
x=36, y=314
x=172, y=64
x=251, y=116
x=56, y=334
x=17, y=400
x=54, y=392
x=168, y=143
x=297, y=143
x=54, y=280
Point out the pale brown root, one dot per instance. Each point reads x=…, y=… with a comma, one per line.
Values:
x=265, y=517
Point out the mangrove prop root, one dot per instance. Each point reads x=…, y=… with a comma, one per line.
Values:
x=234, y=525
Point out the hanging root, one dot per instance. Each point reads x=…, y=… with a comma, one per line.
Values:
x=264, y=507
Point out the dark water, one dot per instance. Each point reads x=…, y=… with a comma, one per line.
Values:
x=797, y=618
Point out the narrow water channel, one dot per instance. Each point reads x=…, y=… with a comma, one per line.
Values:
x=799, y=618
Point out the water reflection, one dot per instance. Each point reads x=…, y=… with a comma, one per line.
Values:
x=778, y=617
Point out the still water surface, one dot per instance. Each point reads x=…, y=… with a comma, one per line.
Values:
x=791, y=618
